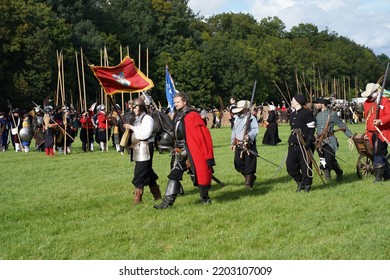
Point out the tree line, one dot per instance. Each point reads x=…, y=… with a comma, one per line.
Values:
x=209, y=58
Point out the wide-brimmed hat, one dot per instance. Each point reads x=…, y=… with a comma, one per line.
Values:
x=370, y=89
x=241, y=105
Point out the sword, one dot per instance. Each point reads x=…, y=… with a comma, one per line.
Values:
x=217, y=181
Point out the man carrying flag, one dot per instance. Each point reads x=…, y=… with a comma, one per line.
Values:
x=127, y=78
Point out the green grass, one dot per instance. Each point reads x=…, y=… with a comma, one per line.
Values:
x=79, y=206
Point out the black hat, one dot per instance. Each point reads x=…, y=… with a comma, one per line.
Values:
x=300, y=99
x=322, y=100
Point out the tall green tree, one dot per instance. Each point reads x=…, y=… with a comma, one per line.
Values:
x=31, y=34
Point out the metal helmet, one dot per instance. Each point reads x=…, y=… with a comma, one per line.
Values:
x=101, y=107
x=48, y=109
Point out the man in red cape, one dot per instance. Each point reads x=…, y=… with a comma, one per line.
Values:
x=193, y=152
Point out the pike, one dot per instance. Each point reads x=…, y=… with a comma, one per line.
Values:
x=249, y=114
x=285, y=99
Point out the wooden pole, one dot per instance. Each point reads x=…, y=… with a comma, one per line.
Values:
x=147, y=62
x=78, y=82
x=63, y=78
x=139, y=62
x=122, y=95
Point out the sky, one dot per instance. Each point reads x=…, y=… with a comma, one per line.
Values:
x=366, y=22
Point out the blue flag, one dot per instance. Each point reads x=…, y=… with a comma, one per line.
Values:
x=170, y=90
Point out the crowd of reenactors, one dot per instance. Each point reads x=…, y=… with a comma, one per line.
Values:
x=313, y=127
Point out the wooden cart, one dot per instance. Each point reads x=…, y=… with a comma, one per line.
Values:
x=364, y=165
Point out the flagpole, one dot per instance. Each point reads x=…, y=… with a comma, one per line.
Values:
x=128, y=54
x=121, y=58
x=139, y=62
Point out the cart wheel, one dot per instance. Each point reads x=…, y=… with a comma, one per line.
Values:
x=364, y=167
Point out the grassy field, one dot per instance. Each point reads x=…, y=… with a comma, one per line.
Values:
x=79, y=206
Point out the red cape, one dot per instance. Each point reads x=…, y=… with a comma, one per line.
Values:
x=200, y=149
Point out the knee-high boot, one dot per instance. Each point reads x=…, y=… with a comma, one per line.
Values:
x=155, y=190
x=379, y=174
x=339, y=172
x=174, y=188
x=249, y=180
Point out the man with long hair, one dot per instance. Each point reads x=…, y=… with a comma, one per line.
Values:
x=193, y=152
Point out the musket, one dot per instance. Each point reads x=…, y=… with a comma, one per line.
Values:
x=310, y=155
x=246, y=150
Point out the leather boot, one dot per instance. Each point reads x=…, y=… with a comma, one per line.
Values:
x=300, y=187
x=339, y=173
x=249, y=181
x=155, y=190
x=204, y=195
x=378, y=174
x=174, y=188
x=138, y=196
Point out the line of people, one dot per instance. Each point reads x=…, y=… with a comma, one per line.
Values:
x=190, y=142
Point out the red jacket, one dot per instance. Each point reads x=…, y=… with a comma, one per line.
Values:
x=86, y=121
x=102, y=120
x=384, y=116
x=200, y=149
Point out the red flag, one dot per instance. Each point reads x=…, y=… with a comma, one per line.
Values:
x=125, y=77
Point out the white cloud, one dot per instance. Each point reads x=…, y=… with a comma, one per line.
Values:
x=364, y=22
